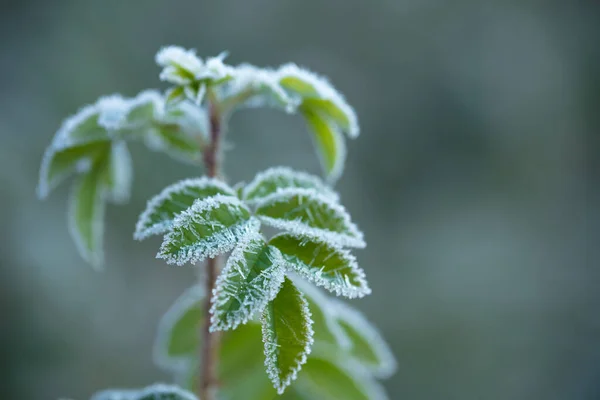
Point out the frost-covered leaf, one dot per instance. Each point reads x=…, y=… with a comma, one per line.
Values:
x=273, y=179
x=367, y=345
x=309, y=213
x=287, y=335
x=118, y=173
x=162, y=209
x=180, y=66
x=208, y=228
x=82, y=127
x=143, y=108
x=255, y=87
x=178, y=336
x=329, y=143
x=86, y=216
x=325, y=325
x=251, y=278
x=324, y=264
x=323, y=379
x=181, y=132
x=157, y=391
x=59, y=163
x=319, y=96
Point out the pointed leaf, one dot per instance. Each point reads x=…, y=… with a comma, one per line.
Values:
x=162, y=209
x=86, y=217
x=324, y=380
x=307, y=212
x=329, y=144
x=319, y=96
x=178, y=337
x=157, y=391
x=287, y=334
x=367, y=345
x=324, y=264
x=208, y=228
x=118, y=173
x=251, y=278
x=59, y=163
x=174, y=96
x=273, y=179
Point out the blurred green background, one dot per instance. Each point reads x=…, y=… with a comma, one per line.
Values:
x=474, y=179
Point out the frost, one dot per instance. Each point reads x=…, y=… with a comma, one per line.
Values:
x=158, y=391
x=120, y=172
x=287, y=335
x=162, y=209
x=190, y=299
x=113, y=110
x=274, y=179
x=251, y=278
x=308, y=213
x=324, y=264
x=368, y=346
x=312, y=86
x=185, y=69
x=144, y=108
x=257, y=87
x=206, y=229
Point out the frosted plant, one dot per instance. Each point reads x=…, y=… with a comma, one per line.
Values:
x=260, y=326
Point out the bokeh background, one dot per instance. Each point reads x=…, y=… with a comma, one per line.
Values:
x=475, y=180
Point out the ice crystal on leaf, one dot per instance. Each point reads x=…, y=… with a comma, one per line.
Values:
x=162, y=209
x=277, y=178
x=251, y=278
x=324, y=264
x=209, y=227
x=287, y=335
x=307, y=212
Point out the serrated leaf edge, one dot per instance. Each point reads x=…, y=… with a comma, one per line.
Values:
x=353, y=239
x=243, y=315
x=348, y=291
x=199, y=251
x=142, y=233
x=134, y=394
x=270, y=341
x=288, y=172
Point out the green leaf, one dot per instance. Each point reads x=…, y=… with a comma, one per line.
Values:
x=251, y=278
x=308, y=213
x=118, y=173
x=82, y=127
x=86, y=213
x=208, y=228
x=329, y=110
x=324, y=380
x=143, y=108
x=273, y=179
x=325, y=325
x=329, y=144
x=324, y=264
x=59, y=163
x=367, y=346
x=178, y=337
x=171, y=139
x=287, y=335
x=155, y=392
x=162, y=209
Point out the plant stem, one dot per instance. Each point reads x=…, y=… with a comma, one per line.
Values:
x=210, y=341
